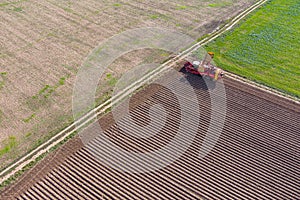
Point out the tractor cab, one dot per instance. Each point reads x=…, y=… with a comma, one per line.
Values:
x=204, y=68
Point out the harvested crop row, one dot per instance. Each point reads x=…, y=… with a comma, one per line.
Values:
x=43, y=44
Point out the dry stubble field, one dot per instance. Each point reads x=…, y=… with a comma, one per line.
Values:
x=43, y=44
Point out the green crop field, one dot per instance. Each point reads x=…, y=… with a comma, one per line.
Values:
x=265, y=47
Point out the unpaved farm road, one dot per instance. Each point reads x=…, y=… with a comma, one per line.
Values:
x=256, y=156
x=87, y=118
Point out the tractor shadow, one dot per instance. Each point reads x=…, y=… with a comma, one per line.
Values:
x=197, y=81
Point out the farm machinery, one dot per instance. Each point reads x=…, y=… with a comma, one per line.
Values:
x=205, y=68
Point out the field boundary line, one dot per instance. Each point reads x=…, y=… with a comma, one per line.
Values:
x=263, y=87
x=89, y=116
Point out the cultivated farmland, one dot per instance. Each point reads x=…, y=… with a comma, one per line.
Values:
x=43, y=44
x=256, y=156
x=265, y=47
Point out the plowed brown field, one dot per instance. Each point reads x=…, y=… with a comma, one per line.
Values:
x=256, y=156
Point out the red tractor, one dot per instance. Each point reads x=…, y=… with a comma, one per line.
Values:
x=205, y=68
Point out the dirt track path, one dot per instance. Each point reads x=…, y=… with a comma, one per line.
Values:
x=53, y=141
x=256, y=156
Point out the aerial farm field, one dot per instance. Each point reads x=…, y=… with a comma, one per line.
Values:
x=44, y=42
x=265, y=47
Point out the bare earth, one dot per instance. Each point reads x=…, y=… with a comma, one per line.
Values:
x=43, y=44
x=249, y=160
